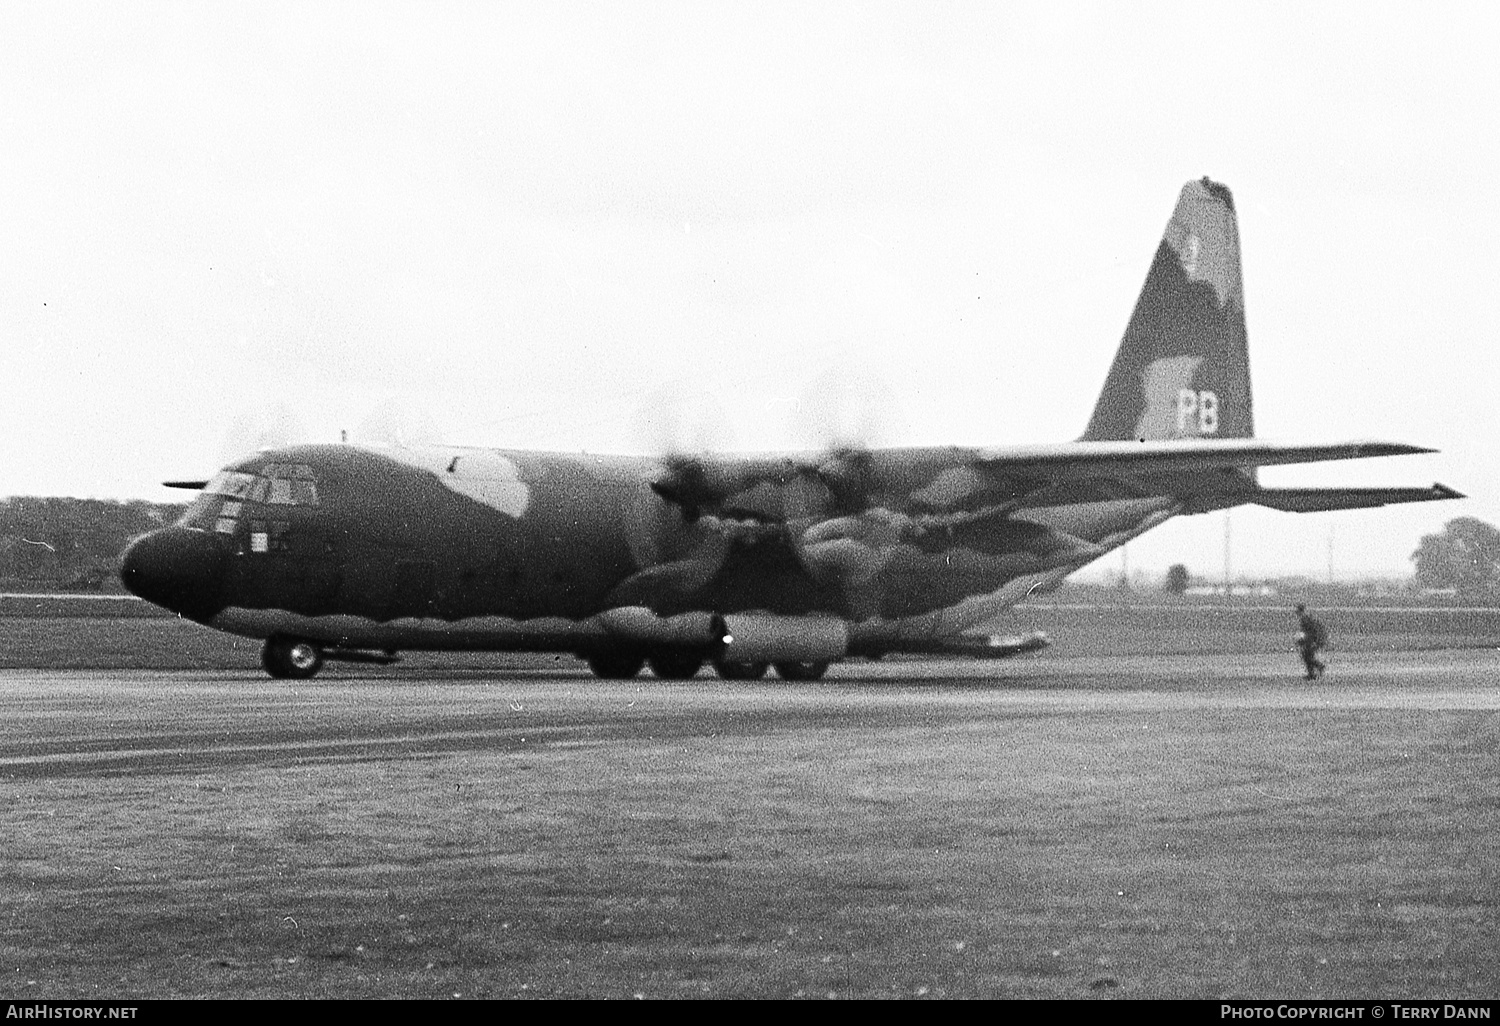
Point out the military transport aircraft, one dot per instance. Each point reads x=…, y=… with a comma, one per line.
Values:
x=787, y=560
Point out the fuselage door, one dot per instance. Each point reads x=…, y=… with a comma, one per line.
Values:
x=412, y=593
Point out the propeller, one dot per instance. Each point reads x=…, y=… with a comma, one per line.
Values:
x=700, y=508
x=839, y=415
x=850, y=477
x=846, y=412
x=676, y=417
x=846, y=407
x=687, y=482
x=684, y=427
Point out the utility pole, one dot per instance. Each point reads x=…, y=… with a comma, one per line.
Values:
x=1228, y=575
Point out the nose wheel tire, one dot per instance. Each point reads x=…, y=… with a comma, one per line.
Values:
x=291, y=658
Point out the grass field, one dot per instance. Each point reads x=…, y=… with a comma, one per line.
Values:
x=1085, y=823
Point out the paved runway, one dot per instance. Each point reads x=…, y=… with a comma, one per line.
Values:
x=62, y=722
x=1051, y=826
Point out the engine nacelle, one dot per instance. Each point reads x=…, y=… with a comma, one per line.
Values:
x=762, y=638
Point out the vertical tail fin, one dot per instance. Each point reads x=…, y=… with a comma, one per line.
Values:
x=1183, y=369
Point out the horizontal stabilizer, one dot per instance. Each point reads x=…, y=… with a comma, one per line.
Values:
x=191, y=486
x=1319, y=500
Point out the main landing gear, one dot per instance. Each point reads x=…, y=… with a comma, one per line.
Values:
x=291, y=658
x=801, y=671
x=666, y=664
x=739, y=671
x=673, y=664
x=616, y=665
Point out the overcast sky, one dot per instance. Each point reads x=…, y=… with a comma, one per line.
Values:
x=542, y=225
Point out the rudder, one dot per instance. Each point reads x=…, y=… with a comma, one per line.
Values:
x=1183, y=366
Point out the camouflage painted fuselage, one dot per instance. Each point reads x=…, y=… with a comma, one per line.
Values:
x=407, y=548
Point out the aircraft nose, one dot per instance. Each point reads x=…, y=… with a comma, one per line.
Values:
x=179, y=568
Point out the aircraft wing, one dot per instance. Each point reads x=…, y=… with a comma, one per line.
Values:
x=1075, y=460
x=1207, y=474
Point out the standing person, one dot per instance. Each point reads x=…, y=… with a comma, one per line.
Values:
x=1311, y=636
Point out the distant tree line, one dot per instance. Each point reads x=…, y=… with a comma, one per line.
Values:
x=1464, y=558
x=71, y=544
x=1459, y=564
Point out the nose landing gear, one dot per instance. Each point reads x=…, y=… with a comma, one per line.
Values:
x=291, y=658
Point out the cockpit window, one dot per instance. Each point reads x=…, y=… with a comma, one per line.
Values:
x=233, y=495
x=280, y=484
x=231, y=483
x=291, y=484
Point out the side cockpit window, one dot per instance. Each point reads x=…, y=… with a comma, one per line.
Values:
x=232, y=484
x=290, y=484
